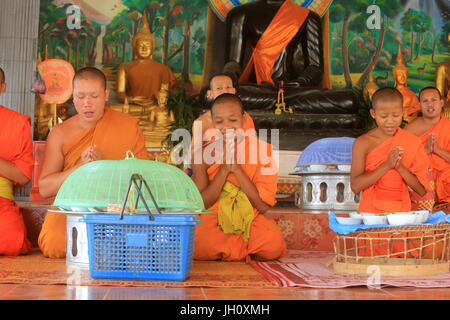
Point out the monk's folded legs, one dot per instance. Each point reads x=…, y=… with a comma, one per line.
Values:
x=13, y=234
x=266, y=241
x=52, y=239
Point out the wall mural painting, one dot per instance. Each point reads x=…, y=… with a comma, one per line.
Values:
x=107, y=27
x=364, y=37
x=104, y=36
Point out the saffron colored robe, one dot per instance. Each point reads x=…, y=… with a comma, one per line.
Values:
x=440, y=167
x=390, y=193
x=114, y=134
x=15, y=146
x=283, y=27
x=266, y=241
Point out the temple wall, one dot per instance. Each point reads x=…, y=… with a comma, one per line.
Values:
x=18, y=50
x=19, y=21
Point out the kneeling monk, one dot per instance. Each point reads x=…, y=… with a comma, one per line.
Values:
x=95, y=133
x=239, y=187
x=16, y=166
x=386, y=160
x=434, y=132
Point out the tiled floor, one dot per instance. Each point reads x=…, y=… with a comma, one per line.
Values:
x=60, y=292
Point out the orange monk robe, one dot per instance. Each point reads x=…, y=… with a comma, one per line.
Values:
x=114, y=135
x=145, y=78
x=440, y=167
x=15, y=146
x=390, y=193
x=283, y=27
x=266, y=241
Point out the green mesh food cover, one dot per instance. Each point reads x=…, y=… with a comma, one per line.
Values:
x=99, y=183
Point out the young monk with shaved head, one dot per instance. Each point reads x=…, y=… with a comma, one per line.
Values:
x=16, y=165
x=433, y=131
x=238, y=191
x=95, y=133
x=387, y=160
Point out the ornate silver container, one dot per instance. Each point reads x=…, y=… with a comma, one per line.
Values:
x=324, y=167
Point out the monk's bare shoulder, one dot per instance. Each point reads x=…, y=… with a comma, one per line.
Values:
x=364, y=143
x=65, y=131
x=416, y=126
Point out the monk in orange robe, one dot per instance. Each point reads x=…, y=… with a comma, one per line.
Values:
x=239, y=187
x=218, y=84
x=434, y=132
x=16, y=166
x=95, y=133
x=386, y=160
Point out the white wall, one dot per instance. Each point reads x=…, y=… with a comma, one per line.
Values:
x=19, y=22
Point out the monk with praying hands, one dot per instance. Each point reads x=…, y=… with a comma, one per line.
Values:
x=433, y=131
x=16, y=166
x=95, y=133
x=239, y=186
x=387, y=161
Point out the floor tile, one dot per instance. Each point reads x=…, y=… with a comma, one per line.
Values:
x=5, y=288
x=136, y=293
x=36, y=292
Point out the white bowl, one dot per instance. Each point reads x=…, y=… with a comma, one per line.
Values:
x=317, y=167
x=348, y=221
x=368, y=214
x=344, y=167
x=374, y=219
x=422, y=216
x=355, y=214
x=401, y=219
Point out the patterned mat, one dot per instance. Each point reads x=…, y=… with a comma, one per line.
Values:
x=35, y=269
x=313, y=269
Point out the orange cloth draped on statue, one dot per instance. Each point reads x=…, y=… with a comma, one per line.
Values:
x=114, y=134
x=283, y=27
x=145, y=78
x=266, y=241
x=440, y=167
x=390, y=193
x=16, y=147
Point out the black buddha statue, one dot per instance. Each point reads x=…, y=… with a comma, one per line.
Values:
x=299, y=66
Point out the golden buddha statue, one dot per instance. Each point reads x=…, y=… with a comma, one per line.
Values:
x=370, y=88
x=410, y=102
x=139, y=83
x=159, y=120
x=141, y=79
x=443, y=80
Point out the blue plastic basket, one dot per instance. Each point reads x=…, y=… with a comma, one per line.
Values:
x=137, y=248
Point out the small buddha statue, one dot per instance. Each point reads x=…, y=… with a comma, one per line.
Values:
x=370, y=88
x=159, y=120
x=141, y=79
x=410, y=102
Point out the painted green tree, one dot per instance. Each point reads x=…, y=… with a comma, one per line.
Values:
x=353, y=18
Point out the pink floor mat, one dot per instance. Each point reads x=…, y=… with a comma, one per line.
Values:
x=313, y=269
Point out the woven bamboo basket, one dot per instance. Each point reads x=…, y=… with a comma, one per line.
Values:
x=414, y=250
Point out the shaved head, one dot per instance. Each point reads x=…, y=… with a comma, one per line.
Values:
x=387, y=94
x=90, y=73
x=227, y=98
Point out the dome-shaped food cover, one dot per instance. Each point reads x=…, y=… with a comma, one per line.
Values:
x=97, y=184
x=325, y=152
